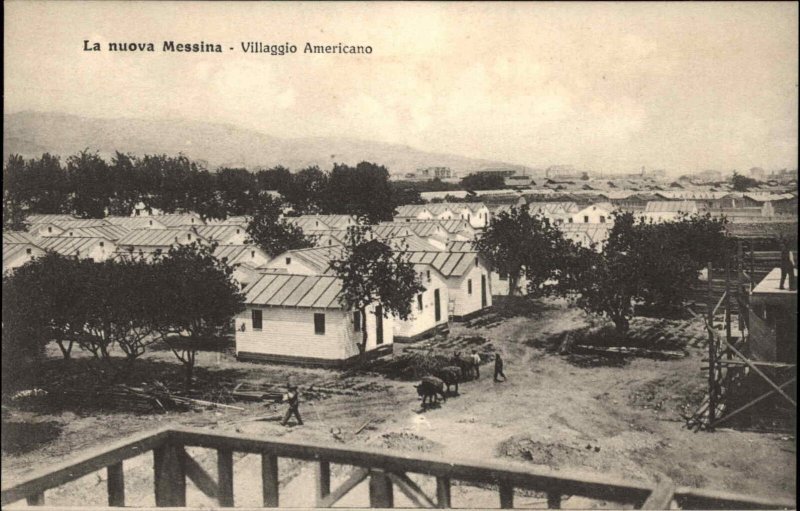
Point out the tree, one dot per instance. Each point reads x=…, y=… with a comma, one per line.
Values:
x=90, y=183
x=372, y=273
x=237, y=190
x=484, y=181
x=273, y=234
x=275, y=179
x=13, y=215
x=516, y=242
x=741, y=183
x=363, y=191
x=126, y=190
x=306, y=190
x=196, y=301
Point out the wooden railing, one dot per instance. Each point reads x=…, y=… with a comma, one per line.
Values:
x=385, y=472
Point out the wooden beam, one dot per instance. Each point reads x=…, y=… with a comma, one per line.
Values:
x=269, y=479
x=761, y=373
x=116, y=485
x=76, y=467
x=380, y=490
x=443, y=492
x=354, y=480
x=411, y=490
x=506, y=496
x=323, y=480
x=553, y=500
x=225, y=477
x=169, y=467
x=662, y=496
x=712, y=350
x=197, y=474
x=751, y=403
x=692, y=498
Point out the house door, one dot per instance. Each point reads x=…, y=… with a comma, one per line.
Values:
x=483, y=290
x=437, y=306
x=378, y=325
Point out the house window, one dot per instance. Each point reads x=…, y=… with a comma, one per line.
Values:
x=469, y=286
x=288, y=261
x=319, y=324
x=602, y=219
x=357, y=321
x=189, y=237
x=28, y=251
x=570, y=220
x=102, y=244
x=151, y=222
x=419, y=301
x=586, y=219
x=476, y=261
x=428, y=274
x=503, y=276
x=257, y=319
x=50, y=229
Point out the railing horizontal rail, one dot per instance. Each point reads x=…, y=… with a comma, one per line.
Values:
x=486, y=472
x=91, y=461
x=693, y=498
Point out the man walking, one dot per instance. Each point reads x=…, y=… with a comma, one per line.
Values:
x=498, y=368
x=787, y=266
x=292, y=398
x=476, y=363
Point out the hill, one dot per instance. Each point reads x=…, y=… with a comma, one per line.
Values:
x=32, y=133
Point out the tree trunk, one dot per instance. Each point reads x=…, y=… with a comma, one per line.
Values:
x=622, y=325
x=65, y=350
x=362, y=348
x=189, y=364
x=513, y=281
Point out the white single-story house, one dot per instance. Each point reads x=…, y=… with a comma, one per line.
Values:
x=159, y=238
x=557, y=212
x=429, y=308
x=45, y=229
x=181, y=220
x=109, y=232
x=17, y=254
x=594, y=214
x=476, y=213
x=411, y=212
x=468, y=279
x=499, y=282
x=587, y=234
x=48, y=218
x=248, y=261
x=299, y=319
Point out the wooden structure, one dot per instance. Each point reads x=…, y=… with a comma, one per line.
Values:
x=751, y=368
x=383, y=472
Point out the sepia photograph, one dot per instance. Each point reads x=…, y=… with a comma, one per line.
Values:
x=425, y=254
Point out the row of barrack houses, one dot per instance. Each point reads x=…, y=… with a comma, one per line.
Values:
x=293, y=298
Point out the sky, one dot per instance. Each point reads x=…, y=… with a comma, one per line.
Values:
x=602, y=86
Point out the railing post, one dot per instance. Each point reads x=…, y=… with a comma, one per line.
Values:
x=506, y=496
x=170, y=476
x=225, y=477
x=553, y=500
x=116, y=485
x=443, y=492
x=323, y=480
x=380, y=490
x=36, y=499
x=269, y=479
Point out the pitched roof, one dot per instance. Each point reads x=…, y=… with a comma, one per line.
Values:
x=70, y=246
x=461, y=246
x=14, y=250
x=219, y=232
x=45, y=219
x=136, y=222
x=284, y=290
x=110, y=232
x=456, y=225
x=554, y=208
x=180, y=220
x=411, y=210
x=448, y=264
x=156, y=237
x=18, y=237
x=670, y=207
x=74, y=223
x=411, y=244
x=235, y=253
x=309, y=223
x=231, y=220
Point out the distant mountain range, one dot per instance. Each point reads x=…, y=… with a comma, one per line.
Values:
x=33, y=133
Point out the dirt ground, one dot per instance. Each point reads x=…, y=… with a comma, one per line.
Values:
x=616, y=417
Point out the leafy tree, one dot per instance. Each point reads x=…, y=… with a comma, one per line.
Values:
x=406, y=195
x=126, y=189
x=363, y=191
x=516, y=242
x=741, y=183
x=306, y=190
x=204, y=197
x=196, y=301
x=273, y=234
x=237, y=189
x=49, y=181
x=277, y=178
x=372, y=273
x=483, y=181
x=90, y=183
x=13, y=215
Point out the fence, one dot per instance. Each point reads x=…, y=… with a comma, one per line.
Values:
x=384, y=472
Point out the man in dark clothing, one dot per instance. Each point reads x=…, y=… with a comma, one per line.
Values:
x=498, y=367
x=293, y=399
x=787, y=266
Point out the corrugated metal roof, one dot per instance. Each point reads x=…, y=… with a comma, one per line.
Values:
x=70, y=246
x=447, y=263
x=74, y=223
x=110, y=232
x=283, y=290
x=14, y=250
x=242, y=254
x=19, y=237
x=460, y=246
x=180, y=220
x=46, y=219
x=136, y=222
x=670, y=207
x=231, y=220
x=554, y=208
x=157, y=237
x=453, y=226
x=410, y=210
x=219, y=232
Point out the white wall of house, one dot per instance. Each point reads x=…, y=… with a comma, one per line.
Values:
x=467, y=302
x=254, y=257
x=478, y=219
x=46, y=230
x=500, y=286
x=292, y=264
x=288, y=332
x=592, y=215
x=101, y=251
x=424, y=319
x=29, y=254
